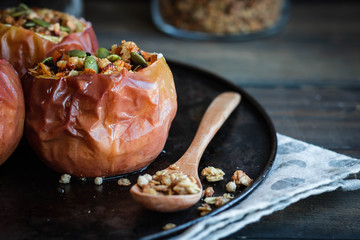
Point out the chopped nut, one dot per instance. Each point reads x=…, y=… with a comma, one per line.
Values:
x=240, y=178
x=209, y=191
x=169, y=226
x=213, y=174
x=98, y=180
x=142, y=181
x=228, y=196
x=231, y=186
x=148, y=177
x=65, y=178
x=124, y=182
x=204, y=209
x=165, y=182
x=174, y=167
x=210, y=200
x=149, y=190
x=219, y=201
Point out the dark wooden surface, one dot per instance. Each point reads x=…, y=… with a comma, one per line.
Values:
x=307, y=78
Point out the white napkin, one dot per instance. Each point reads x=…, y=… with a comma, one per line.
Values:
x=300, y=170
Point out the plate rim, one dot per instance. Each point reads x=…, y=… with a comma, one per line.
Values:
x=262, y=174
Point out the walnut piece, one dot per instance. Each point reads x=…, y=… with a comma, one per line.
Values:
x=123, y=182
x=168, y=183
x=209, y=191
x=204, y=209
x=219, y=201
x=240, y=178
x=213, y=174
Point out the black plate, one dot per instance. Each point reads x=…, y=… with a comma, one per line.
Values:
x=35, y=206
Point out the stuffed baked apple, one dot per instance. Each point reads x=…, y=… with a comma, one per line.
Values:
x=99, y=115
x=28, y=35
x=12, y=110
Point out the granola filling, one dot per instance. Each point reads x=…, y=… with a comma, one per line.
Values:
x=168, y=183
x=43, y=21
x=76, y=62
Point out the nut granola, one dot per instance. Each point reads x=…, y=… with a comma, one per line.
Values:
x=168, y=183
x=240, y=178
x=213, y=174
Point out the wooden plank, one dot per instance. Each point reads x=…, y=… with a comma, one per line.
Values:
x=312, y=48
x=322, y=116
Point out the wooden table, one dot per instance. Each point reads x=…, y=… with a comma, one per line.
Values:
x=307, y=78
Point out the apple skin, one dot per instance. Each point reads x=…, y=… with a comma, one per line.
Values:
x=95, y=125
x=12, y=110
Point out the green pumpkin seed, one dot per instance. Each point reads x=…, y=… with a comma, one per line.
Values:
x=48, y=60
x=91, y=63
x=64, y=29
x=79, y=26
x=19, y=13
x=77, y=53
x=41, y=23
x=29, y=24
x=113, y=57
x=23, y=6
x=102, y=52
x=138, y=59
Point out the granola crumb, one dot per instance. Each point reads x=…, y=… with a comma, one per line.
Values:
x=204, y=209
x=169, y=226
x=219, y=201
x=65, y=178
x=98, y=180
x=174, y=167
x=142, y=181
x=124, y=182
x=213, y=174
x=240, y=178
x=231, y=186
x=168, y=183
x=209, y=191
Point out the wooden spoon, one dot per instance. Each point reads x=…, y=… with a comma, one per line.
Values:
x=214, y=117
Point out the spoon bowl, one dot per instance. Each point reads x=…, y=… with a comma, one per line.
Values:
x=214, y=117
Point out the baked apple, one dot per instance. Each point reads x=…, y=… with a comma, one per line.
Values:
x=12, y=110
x=99, y=115
x=28, y=35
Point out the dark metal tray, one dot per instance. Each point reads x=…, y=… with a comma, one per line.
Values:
x=33, y=205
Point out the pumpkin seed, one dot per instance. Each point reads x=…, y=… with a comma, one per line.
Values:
x=19, y=13
x=77, y=53
x=138, y=59
x=23, y=6
x=41, y=23
x=113, y=57
x=29, y=24
x=102, y=52
x=91, y=63
x=64, y=29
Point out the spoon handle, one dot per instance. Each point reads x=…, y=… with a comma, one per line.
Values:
x=214, y=117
